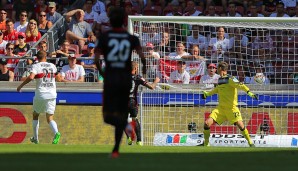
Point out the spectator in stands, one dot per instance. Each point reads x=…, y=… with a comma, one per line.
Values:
x=180, y=51
x=269, y=7
x=52, y=15
x=238, y=43
x=22, y=47
x=79, y=30
x=151, y=34
x=103, y=19
x=191, y=9
x=41, y=6
x=210, y=80
x=98, y=7
x=3, y=16
x=88, y=64
x=63, y=52
x=26, y=73
x=174, y=10
x=152, y=59
x=129, y=11
x=196, y=38
x=195, y=54
x=22, y=5
x=280, y=11
x=222, y=3
x=165, y=47
x=21, y=25
x=232, y=11
x=5, y=73
x=211, y=11
x=293, y=78
x=296, y=12
x=11, y=62
x=43, y=24
x=242, y=76
x=2, y=44
x=219, y=45
x=32, y=33
x=10, y=35
x=72, y=72
x=180, y=75
x=90, y=17
x=253, y=11
x=262, y=40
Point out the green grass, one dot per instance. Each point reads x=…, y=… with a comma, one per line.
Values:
x=147, y=158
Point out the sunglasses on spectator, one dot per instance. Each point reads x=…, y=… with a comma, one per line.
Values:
x=42, y=15
x=24, y=15
x=21, y=37
x=9, y=48
x=33, y=23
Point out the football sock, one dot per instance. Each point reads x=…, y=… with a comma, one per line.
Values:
x=118, y=136
x=138, y=130
x=206, y=133
x=246, y=136
x=53, y=126
x=35, y=126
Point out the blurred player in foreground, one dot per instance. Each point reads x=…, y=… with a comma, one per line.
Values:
x=133, y=101
x=45, y=94
x=227, y=107
x=116, y=46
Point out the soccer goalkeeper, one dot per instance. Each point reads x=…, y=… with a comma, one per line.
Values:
x=228, y=100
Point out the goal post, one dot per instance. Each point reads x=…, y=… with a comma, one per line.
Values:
x=174, y=114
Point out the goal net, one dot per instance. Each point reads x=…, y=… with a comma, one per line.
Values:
x=257, y=50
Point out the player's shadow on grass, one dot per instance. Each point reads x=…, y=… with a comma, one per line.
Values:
x=244, y=161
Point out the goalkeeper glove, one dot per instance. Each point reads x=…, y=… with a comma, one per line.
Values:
x=205, y=94
x=252, y=95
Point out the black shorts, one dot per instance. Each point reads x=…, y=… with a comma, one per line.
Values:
x=116, y=95
x=133, y=108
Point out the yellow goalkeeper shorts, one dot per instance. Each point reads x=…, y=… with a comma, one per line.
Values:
x=220, y=115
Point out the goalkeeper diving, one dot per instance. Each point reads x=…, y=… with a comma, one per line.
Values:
x=227, y=90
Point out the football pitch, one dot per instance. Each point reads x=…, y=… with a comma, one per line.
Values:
x=47, y=157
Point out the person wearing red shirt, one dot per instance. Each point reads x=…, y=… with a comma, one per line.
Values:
x=32, y=33
x=10, y=35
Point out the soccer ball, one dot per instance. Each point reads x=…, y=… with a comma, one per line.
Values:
x=259, y=78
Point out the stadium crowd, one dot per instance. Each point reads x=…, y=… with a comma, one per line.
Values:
x=250, y=52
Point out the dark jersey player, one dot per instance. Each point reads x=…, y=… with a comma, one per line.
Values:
x=137, y=80
x=116, y=46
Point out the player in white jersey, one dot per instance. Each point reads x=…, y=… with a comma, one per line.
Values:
x=45, y=94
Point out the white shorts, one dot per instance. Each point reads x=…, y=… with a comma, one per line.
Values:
x=44, y=105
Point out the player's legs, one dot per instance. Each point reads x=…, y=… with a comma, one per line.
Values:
x=35, y=127
x=244, y=132
x=50, y=110
x=208, y=122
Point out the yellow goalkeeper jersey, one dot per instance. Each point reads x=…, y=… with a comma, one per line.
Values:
x=227, y=90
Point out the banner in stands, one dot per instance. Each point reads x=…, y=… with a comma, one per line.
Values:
x=195, y=68
x=224, y=140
